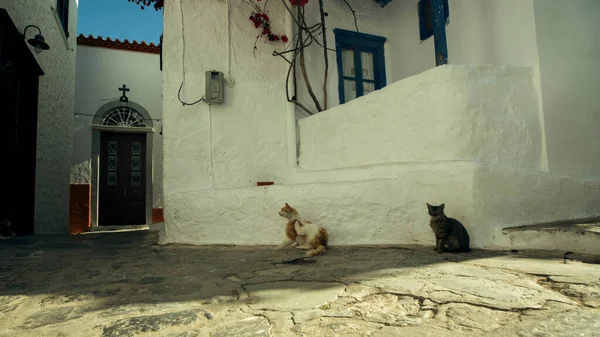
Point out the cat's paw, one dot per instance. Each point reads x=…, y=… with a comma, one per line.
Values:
x=302, y=247
x=279, y=248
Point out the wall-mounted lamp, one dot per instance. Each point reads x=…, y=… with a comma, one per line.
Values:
x=38, y=41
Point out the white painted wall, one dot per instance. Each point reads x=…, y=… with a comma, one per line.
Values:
x=480, y=32
x=470, y=113
x=241, y=141
x=55, y=109
x=567, y=35
x=100, y=72
x=371, y=19
x=366, y=183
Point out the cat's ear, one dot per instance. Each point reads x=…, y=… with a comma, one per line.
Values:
x=286, y=205
x=442, y=206
x=428, y=205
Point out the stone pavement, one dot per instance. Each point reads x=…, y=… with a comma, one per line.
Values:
x=123, y=284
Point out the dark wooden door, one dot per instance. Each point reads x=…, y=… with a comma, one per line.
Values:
x=122, y=179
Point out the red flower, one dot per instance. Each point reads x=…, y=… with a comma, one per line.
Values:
x=300, y=3
x=284, y=38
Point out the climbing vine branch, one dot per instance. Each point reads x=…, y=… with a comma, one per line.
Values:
x=294, y=54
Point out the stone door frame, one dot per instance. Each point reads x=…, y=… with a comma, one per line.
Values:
x=97, y=129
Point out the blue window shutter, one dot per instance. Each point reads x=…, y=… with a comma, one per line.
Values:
x=383, y=3
x=426, y=18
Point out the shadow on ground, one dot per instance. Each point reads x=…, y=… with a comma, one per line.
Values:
x=56, y=279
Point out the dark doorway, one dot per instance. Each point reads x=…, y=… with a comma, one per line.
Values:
x=122, y=179
x=19, y=79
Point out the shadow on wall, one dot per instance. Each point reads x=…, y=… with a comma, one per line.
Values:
x=82, y=144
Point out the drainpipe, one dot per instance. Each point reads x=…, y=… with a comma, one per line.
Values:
x=292, y=152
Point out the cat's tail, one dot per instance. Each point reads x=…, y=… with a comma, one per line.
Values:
x=315, y=252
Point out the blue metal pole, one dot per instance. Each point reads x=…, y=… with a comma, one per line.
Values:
x=439, y=32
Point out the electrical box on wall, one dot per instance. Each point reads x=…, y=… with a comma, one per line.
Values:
x=214, y=87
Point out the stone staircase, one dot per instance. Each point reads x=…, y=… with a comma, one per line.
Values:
x=578, y=236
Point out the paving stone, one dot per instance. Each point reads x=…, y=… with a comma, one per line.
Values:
x=291, y=296
x=52, y=316
x=152, y=280
x=307, y=315
x=115, y=287
x=345, y=327
x=248, y=327
x=151, y=323
x=501, y=294
x=592, y=301
x=416, y=331
x=427, y=305
x=359, y=291
x=387, y=309
x=10, y=303
x=566, y=324
x=192, y=333
x=462, y=316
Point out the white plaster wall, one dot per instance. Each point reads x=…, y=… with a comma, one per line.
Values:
x=567, y=32
x=215, y=154
x=100, y=72
x=384, y=211
x=371, y=19
x=241, y=141
x=474, y=113
x=388, y=208
x=55, y=109
x=505, y=197
x=480, y=32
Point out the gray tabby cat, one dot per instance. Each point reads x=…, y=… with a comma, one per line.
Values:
x=5, y=231
x=450, y=234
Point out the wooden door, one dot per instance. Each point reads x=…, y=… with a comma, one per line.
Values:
x=122, y=179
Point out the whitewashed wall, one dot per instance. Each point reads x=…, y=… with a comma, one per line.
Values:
x=243, y=140
x=451, y=113
x=100, y=72
x=479, y=32
x=55, y=109
x=214, y=155
x=567, y=35
x=370, y=18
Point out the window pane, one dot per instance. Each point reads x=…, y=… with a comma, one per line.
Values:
x=368, y=87
x=367, y=65
x=349, y=90
x=348, y=62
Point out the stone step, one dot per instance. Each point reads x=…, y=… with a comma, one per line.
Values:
x=578, y=236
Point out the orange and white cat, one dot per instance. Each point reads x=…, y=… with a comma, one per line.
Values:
x=303, y=234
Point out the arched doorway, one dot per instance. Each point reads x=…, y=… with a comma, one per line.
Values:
x=122, y=157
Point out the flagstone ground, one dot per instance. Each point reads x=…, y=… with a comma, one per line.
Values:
x=124, y=284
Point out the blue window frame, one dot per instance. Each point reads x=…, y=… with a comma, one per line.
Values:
x=426, y=18
x=62, y=8
x=359, y=51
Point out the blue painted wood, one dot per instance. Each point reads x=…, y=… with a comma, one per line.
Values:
x=439, y=32
x=360, y=42
x=426, y=18
x=383, y=3
x=340, y=67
